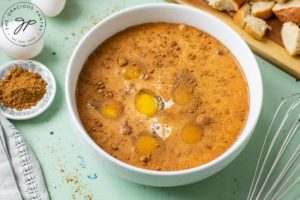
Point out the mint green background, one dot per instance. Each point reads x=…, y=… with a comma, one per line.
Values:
x=63, y=150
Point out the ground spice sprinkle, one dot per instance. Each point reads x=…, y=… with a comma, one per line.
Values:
x=22, y=89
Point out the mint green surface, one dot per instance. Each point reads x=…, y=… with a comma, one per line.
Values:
x=64, y=159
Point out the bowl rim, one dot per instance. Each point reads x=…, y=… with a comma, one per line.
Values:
x=243, y=137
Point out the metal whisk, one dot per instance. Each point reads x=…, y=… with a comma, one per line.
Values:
x=277, y=172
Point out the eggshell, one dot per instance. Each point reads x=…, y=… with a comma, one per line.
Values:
x=50, y=8
x=18, y=51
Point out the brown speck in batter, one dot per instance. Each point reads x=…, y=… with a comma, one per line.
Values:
x=122, y=62
x=125, y=128
x=145, y=159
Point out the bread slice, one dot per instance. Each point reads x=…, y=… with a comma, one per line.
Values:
x=262, y=9
x=276, y=1
x=256, y=27
x=240, y=16
x=290, y=35
x=225, y=5
x=281, y=1
x=288, y=12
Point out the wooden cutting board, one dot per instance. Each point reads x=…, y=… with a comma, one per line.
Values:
x=269, y=48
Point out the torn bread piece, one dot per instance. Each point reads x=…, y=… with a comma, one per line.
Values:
x=288, y=12
x=240, y=16
x=256, y=27
x=290, y=35
x=281, y=1
x=262, y=9
x=225, y=5
x=260, y=0
x=276, y=1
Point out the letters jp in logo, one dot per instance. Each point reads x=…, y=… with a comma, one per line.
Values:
x=23, y=24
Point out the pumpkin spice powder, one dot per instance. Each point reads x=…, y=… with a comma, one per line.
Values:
x=22, y=89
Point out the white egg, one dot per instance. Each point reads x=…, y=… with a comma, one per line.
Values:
x=18, y=51
x=50, y=8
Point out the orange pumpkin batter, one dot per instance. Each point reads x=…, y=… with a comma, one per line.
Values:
x=163, y=97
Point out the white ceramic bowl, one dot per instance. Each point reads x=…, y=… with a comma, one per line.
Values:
x=172, y=14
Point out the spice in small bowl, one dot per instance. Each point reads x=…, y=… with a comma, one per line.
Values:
x=22, y=89
x=27, y=88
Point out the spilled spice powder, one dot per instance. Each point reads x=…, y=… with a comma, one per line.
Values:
x=22, y=89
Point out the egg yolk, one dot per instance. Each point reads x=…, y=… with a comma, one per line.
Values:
x=132, y=72
x=182, y=96
x=111, y=109
x=146, y=144
x=192, y=133
x=146, y=104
